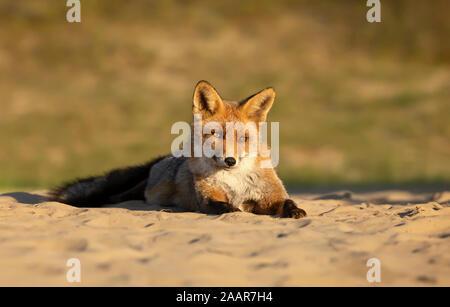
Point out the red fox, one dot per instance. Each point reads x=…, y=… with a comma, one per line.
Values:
x=213, y=185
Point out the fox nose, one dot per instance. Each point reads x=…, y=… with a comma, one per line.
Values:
x=230, y=161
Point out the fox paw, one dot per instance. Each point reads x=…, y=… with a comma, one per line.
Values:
x=291, y=210
x=220, y=207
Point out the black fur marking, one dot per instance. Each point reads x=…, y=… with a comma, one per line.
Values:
x=290, y=209
x=219, y=207
x=100, y=190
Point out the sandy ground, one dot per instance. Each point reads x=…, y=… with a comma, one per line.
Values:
x=133, y=244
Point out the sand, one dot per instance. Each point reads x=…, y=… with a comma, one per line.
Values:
x=134, y=244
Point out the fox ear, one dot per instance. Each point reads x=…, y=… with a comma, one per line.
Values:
x=206, y=99
x=257, y=106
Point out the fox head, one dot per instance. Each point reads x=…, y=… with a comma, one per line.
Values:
x=226, y=124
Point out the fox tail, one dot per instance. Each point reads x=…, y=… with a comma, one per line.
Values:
x=115, y=186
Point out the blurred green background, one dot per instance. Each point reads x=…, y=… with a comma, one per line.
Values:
x=358, y=103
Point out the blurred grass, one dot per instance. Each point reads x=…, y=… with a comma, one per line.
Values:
x=358, y=103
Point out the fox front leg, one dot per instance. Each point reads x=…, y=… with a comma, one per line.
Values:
x=291, y=210
x=285, y=208
x=213, y=200
x=219, y=207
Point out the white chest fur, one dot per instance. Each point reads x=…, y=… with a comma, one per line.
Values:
x=239, y=183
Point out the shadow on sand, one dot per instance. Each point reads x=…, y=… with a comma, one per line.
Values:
x=26, y=198
x=34, y=199
x=374, y=196
x=388, y=196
